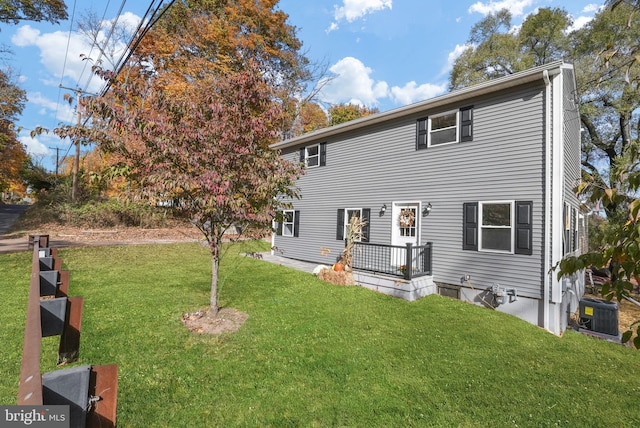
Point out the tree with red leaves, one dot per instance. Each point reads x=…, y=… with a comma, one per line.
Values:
x=206, y=149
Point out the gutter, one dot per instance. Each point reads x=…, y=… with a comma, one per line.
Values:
x=457, y=96
x=548, y=250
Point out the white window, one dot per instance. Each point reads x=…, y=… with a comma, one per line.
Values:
x=288, y=224
x=349, y=214
x=443, y=128
x=312, y=155
x=496, y=226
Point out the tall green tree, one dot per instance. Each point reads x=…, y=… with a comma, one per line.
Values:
x=494, y=49
x=611, y=77
x=609, y=96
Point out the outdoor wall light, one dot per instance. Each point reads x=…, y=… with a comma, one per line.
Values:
x=383, y=209
x=426, y=210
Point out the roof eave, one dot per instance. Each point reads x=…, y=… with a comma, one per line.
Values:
x=489, y=86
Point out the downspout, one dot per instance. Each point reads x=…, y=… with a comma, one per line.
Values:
x=547, y=202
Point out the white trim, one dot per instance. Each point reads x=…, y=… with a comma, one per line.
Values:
x=346, y=220
x=511, y=226
x=456, y=126
x=547, y=275
x=558, y=184
x=395, y=211
x=292, y=223
x=307, y=156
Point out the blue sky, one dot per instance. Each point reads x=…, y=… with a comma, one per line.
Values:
x=379, y=53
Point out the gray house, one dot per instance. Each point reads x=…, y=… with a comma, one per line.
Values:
x=468, y=194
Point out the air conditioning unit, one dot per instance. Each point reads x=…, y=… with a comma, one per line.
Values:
x=599, y=316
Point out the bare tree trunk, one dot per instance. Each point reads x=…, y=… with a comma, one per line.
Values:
x=215, y=263
x=214, y=286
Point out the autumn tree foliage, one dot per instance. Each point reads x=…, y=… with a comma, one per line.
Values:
x=312, y=117
x=341, y=113
x=14, y=11
x=191, y=118
x=12, y=153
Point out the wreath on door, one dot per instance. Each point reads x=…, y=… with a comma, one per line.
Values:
x=407, y=218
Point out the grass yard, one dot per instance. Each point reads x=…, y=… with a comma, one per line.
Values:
x=311, y=353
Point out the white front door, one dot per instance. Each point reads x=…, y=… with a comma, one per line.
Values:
x=405, y=229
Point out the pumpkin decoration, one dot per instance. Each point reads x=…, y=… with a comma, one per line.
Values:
x=338, y=267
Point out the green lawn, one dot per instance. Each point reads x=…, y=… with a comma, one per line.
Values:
x=314, y=354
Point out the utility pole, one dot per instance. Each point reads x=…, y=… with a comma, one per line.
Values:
x=76, y=160
x=57, y=161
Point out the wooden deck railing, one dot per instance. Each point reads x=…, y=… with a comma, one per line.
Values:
x=407, y=262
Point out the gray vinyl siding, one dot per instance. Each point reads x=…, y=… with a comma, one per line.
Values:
x=572, y=139
x=379, y=164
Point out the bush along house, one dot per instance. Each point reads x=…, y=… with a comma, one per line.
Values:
x=469, y=194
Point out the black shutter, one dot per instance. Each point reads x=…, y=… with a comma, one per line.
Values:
x=470, y=226
x=422, y=132
x=524, y=227
x=466, y=124
x=340, y=226
x=296, y=223
x=323, y=154
x=366, y=217
x=302, y=153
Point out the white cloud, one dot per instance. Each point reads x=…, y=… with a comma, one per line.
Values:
x=64, y=52
x=61, y=111
x=455, y=54
x=516, y=7
x=352, y=83
x=355, y=9
x=412, y=92
x=352, y=10
x=33, y=146
x=579, y=22
x=332, y=27
x=592, y=8
x=25, y=36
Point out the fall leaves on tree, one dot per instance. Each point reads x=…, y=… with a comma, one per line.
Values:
x=194, y=112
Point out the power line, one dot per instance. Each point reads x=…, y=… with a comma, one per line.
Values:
x=94, y=43
x=66, y=55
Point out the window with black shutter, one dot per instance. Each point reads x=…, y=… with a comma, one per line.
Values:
x=290, y=224
x=501, y=226
x=314, y=155
x=342, y=222
x=445, y=128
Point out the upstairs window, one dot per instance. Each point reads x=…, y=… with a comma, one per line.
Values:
x=314, y=155
x=445, y=128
